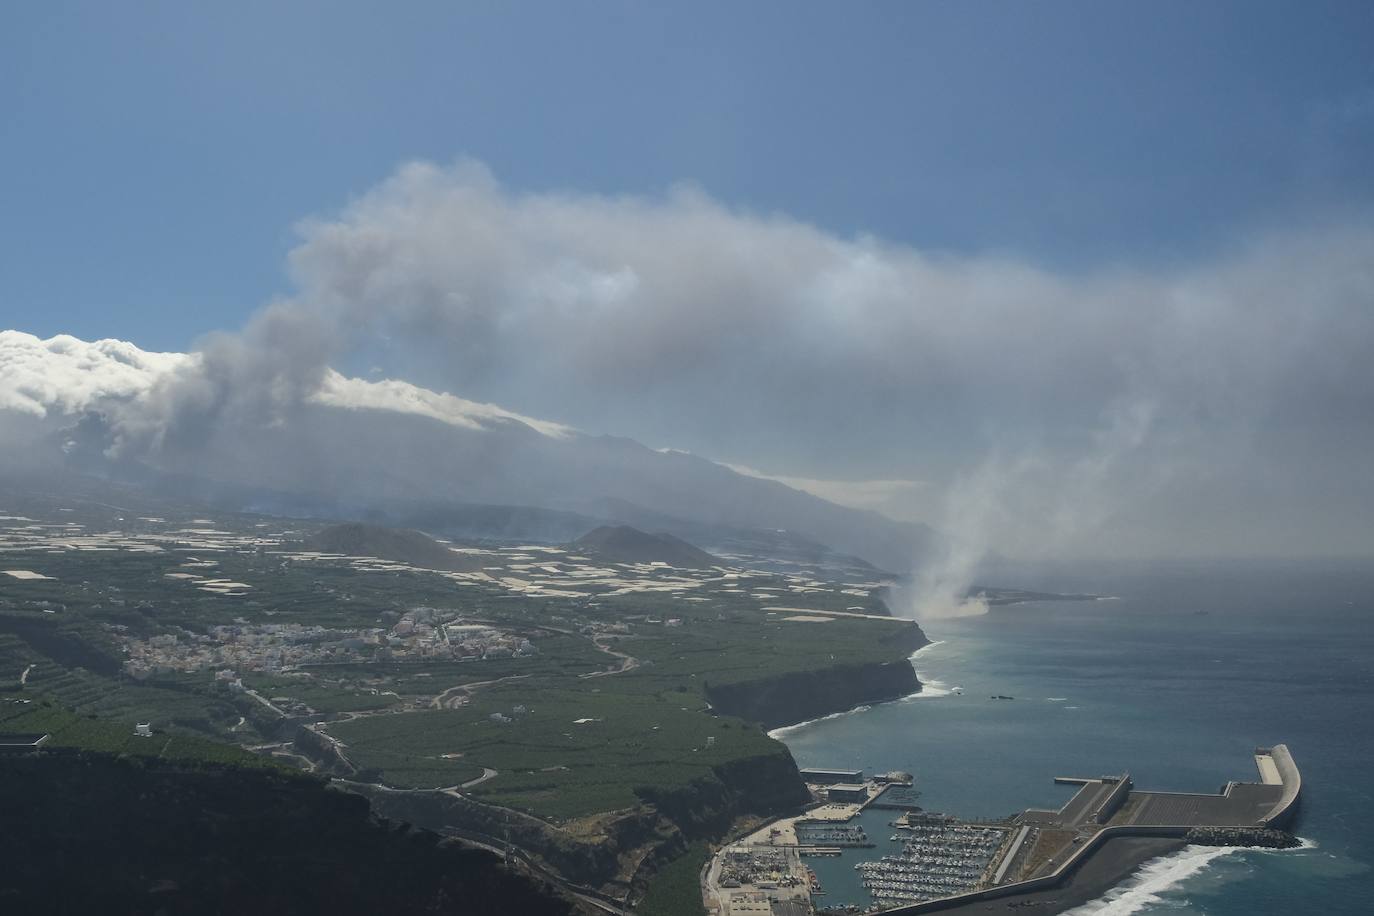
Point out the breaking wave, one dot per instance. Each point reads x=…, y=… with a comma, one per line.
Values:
x=1151, y=881
x=1162, y=875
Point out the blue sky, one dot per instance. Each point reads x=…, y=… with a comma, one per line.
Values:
x=156, y=156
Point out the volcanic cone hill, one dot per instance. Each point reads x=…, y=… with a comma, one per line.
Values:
x=623, y=544
x=400, y=545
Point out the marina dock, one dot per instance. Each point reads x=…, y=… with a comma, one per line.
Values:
x=948, y=865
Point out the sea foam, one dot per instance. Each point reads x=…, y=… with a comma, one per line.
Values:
x=1164, y=874
x=930, y=688
x=785, y=730
x=1156, y=877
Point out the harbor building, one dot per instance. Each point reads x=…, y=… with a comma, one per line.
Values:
x=847, y=792
x=827, y=777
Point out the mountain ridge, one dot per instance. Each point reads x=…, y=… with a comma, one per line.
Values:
x=623, y=544
x=374, y=447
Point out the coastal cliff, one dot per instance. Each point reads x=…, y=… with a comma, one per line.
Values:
x=605, y=853
x=614, y=852
x=705, y=808
x=786, y=699
x=591, y=855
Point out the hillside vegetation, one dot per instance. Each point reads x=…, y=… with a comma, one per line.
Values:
x=95, y=833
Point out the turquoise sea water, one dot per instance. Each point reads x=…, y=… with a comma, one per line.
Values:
x=1176, y=681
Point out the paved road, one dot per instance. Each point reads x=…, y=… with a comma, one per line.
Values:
x=586, y=895
x=318, y=728
x=264, y=701
x=1246, y=804
x=397, y=790
x=449, y=698
x=494, y=844
x=1010, y=857
x=627, y=662
x=1085, y=802
x=487, y=773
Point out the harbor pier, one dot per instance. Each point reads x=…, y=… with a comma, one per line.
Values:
x=1052, y=860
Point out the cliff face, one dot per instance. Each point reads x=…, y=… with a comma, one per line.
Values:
x=591, y=860
x=106, y=834
x=791, y=698
x=787, y=699
x=768, y=785
x=608, y=857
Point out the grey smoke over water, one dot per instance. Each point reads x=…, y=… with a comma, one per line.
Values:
x=1032, y=503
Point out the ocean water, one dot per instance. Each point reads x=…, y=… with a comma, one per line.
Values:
x=1176, y=680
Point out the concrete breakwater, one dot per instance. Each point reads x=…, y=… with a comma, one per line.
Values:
x=1055, y=859
x=1243, y=814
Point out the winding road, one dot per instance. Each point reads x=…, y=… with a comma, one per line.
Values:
x=264, y=701
x=487, y=773
x=627, y=662
x=449, y=698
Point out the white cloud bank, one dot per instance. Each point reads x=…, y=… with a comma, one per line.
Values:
x=66, y=376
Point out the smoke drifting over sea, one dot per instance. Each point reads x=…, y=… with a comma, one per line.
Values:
x=1033, y=504
x=1015, y=408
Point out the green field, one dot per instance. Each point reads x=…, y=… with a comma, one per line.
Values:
x=650, y=725
x=19, y=713
x=546, y=763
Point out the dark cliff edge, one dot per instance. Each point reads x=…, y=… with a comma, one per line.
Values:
x=92, y=832
x=705, y=808
x=623, y=844
x=799, y=696
x=590, y=858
